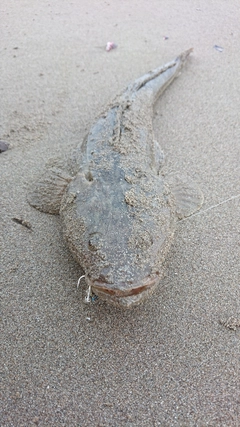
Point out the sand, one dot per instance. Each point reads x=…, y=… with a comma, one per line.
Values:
x=173, y=361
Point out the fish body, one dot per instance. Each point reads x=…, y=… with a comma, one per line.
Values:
x=118, y=212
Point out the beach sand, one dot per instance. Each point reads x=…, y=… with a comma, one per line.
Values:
x=173, y=361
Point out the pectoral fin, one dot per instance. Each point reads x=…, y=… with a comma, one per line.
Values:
x=188, y=196
x=48, y=191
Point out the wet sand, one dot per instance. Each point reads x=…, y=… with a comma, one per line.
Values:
x=173, y=361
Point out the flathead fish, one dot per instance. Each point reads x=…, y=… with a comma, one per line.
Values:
x=118, y=211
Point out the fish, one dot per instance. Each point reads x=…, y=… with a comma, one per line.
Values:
x=118, y=210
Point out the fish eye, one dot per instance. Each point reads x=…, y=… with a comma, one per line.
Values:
x=88, y=176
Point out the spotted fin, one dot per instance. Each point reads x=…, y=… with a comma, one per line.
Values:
x=47, y=193
x=188, y=196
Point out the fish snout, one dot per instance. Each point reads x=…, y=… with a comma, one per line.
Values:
x=124, y=294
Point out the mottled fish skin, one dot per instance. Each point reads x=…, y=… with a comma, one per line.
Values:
x=118, y=212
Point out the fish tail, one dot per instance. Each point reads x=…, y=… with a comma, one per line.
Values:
x=156, y=81
x=184, y=55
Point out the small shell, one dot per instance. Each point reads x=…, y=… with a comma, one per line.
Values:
x=218, y=48
x=110, y=46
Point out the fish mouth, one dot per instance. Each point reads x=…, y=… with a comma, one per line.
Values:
x=123, y=289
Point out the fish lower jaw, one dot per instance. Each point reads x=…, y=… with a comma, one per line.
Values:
x=124, y=298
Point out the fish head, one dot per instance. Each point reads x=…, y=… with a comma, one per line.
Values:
x=120, y=246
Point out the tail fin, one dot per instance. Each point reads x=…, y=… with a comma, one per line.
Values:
x=155, y=82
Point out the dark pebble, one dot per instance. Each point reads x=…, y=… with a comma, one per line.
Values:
x=3, y=146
